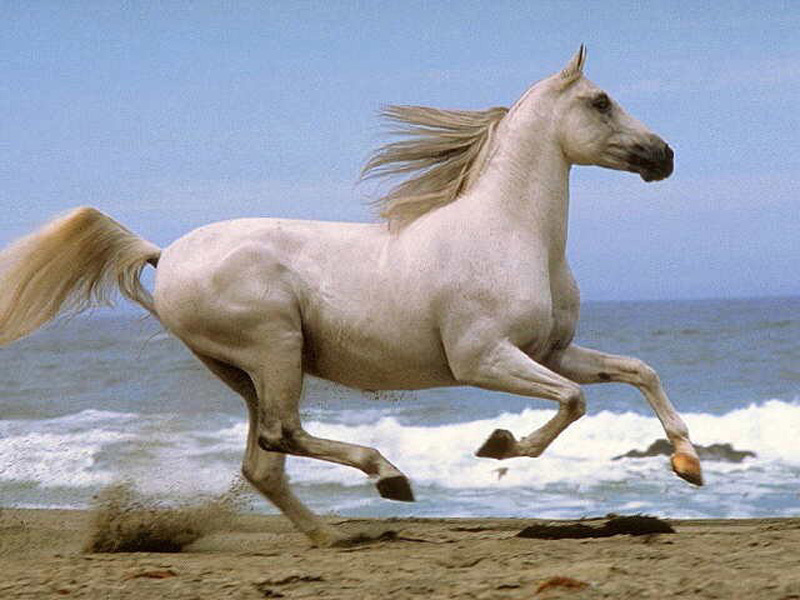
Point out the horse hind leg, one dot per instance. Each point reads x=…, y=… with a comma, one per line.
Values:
x=278, y=385
x=266, y=470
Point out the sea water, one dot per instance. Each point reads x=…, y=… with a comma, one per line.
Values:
x=111, y=397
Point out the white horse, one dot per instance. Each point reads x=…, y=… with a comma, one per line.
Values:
x=467, y=283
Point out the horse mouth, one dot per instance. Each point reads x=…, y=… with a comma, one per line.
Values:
x=652, y=164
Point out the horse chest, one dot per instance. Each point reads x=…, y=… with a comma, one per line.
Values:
x=539, y=333
x=549, y=320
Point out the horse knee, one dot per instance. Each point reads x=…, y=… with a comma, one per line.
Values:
x=645, y=374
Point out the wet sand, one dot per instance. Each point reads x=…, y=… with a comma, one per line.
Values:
x=263, y=557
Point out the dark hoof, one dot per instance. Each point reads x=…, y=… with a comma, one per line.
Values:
x=395, y=488
x=499, y=445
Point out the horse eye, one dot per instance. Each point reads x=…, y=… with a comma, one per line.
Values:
x=602, y=103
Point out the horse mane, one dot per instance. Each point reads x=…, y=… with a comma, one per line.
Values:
x=442, y=154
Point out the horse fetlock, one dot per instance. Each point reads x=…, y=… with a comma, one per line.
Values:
x=325, y=537
x=374, y=464
x=575, y=403
x=678, y=434
x=501, y=444
x=535, y=444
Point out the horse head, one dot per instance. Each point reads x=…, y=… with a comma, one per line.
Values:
x=593, y=129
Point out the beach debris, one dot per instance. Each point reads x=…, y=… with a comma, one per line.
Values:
x=294, y=578
x=561, y=583
x=597, y=528
x=508, y=586
x=123, y=520
x=152, y=574
x=268, y=592
x=266, y=587
x=457, y=562
x=359, y=540
x=717, y=452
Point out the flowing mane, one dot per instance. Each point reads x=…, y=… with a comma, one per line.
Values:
x=442, y=153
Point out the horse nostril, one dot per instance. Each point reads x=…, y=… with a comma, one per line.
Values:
x=668, y=152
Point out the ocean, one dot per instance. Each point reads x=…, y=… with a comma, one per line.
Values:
x=111, y=397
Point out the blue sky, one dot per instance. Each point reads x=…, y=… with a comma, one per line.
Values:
x=171, y=115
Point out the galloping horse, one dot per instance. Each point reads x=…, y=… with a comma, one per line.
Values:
x=465, y=283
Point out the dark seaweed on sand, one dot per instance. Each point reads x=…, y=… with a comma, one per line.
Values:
x=616, y=525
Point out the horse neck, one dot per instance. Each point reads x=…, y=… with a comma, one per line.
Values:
x=525, y=183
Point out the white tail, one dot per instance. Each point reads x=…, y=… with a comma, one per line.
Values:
x=75, y=262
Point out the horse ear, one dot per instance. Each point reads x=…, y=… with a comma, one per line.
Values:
x=574, y=69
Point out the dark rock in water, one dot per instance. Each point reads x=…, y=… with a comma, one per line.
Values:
x=719, y=452
x=723, y=452
x=597, y=528
x=660, y=447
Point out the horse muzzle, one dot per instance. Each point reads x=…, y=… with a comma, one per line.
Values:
x=653, y=162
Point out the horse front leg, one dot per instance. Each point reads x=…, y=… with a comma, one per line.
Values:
x=506, y=368
x=590, y=366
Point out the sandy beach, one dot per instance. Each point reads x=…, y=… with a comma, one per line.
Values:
x=255, y=557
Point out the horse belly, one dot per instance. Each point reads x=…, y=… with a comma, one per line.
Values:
x=375, y=358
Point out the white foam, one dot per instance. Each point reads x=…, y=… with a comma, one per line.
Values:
x=79, y=421
x=575, y=476
x=769, y=429
x=53, y=460
x=444, y=455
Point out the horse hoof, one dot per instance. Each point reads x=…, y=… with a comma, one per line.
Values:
x=499, y=445
x=687, y=467
x=395, y=488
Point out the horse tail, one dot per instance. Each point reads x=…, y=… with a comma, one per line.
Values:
x=69, y=265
